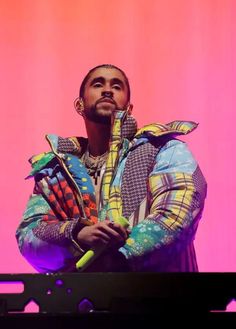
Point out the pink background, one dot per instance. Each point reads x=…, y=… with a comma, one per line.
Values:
x=180, y=58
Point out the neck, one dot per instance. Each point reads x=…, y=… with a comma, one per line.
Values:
x=98, y=137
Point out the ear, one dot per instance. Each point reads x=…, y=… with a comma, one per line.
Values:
x=129, y=108
x=79, y=105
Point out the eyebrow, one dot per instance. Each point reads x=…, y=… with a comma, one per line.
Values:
x=102, y=80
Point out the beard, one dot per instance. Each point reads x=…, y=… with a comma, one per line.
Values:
x=100, y=114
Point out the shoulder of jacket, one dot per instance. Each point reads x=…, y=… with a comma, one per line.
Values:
x=71, y=144
x=58, y=145
x=173, y=128
x=39, y=161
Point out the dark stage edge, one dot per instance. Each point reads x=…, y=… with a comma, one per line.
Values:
x=120, y=300
x=121, y=321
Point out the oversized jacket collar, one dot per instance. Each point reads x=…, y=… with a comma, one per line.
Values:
x=77, y=145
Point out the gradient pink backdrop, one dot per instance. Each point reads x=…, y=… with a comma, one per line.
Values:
x=180, y=58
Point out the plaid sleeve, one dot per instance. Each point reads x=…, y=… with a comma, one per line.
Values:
x=177, y=190
x=46, y=232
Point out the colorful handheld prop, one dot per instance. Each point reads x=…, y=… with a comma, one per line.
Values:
x=91, y=255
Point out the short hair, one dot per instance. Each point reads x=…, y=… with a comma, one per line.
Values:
x=108, y=66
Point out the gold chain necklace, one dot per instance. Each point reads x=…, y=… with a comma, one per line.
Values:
x=93, y=164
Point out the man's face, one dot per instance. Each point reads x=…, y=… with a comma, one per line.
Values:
x=105, y=91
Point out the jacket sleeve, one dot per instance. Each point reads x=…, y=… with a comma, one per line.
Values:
x=46, y=232
x=177, y=191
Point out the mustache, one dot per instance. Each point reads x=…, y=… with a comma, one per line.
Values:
x=117, y=109
x=108, y=99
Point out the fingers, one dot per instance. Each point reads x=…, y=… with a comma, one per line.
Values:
x=119, y=229
x=113, y=232
x=103, y=234
x=100, y=237
x=92, y=236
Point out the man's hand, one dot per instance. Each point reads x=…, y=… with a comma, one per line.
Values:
x=103, y=234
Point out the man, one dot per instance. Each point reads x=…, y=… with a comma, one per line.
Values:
x=85, y=187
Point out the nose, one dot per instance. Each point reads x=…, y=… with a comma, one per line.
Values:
x=107, y=94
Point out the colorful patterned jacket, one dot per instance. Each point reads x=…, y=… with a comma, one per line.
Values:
x=153, y=180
